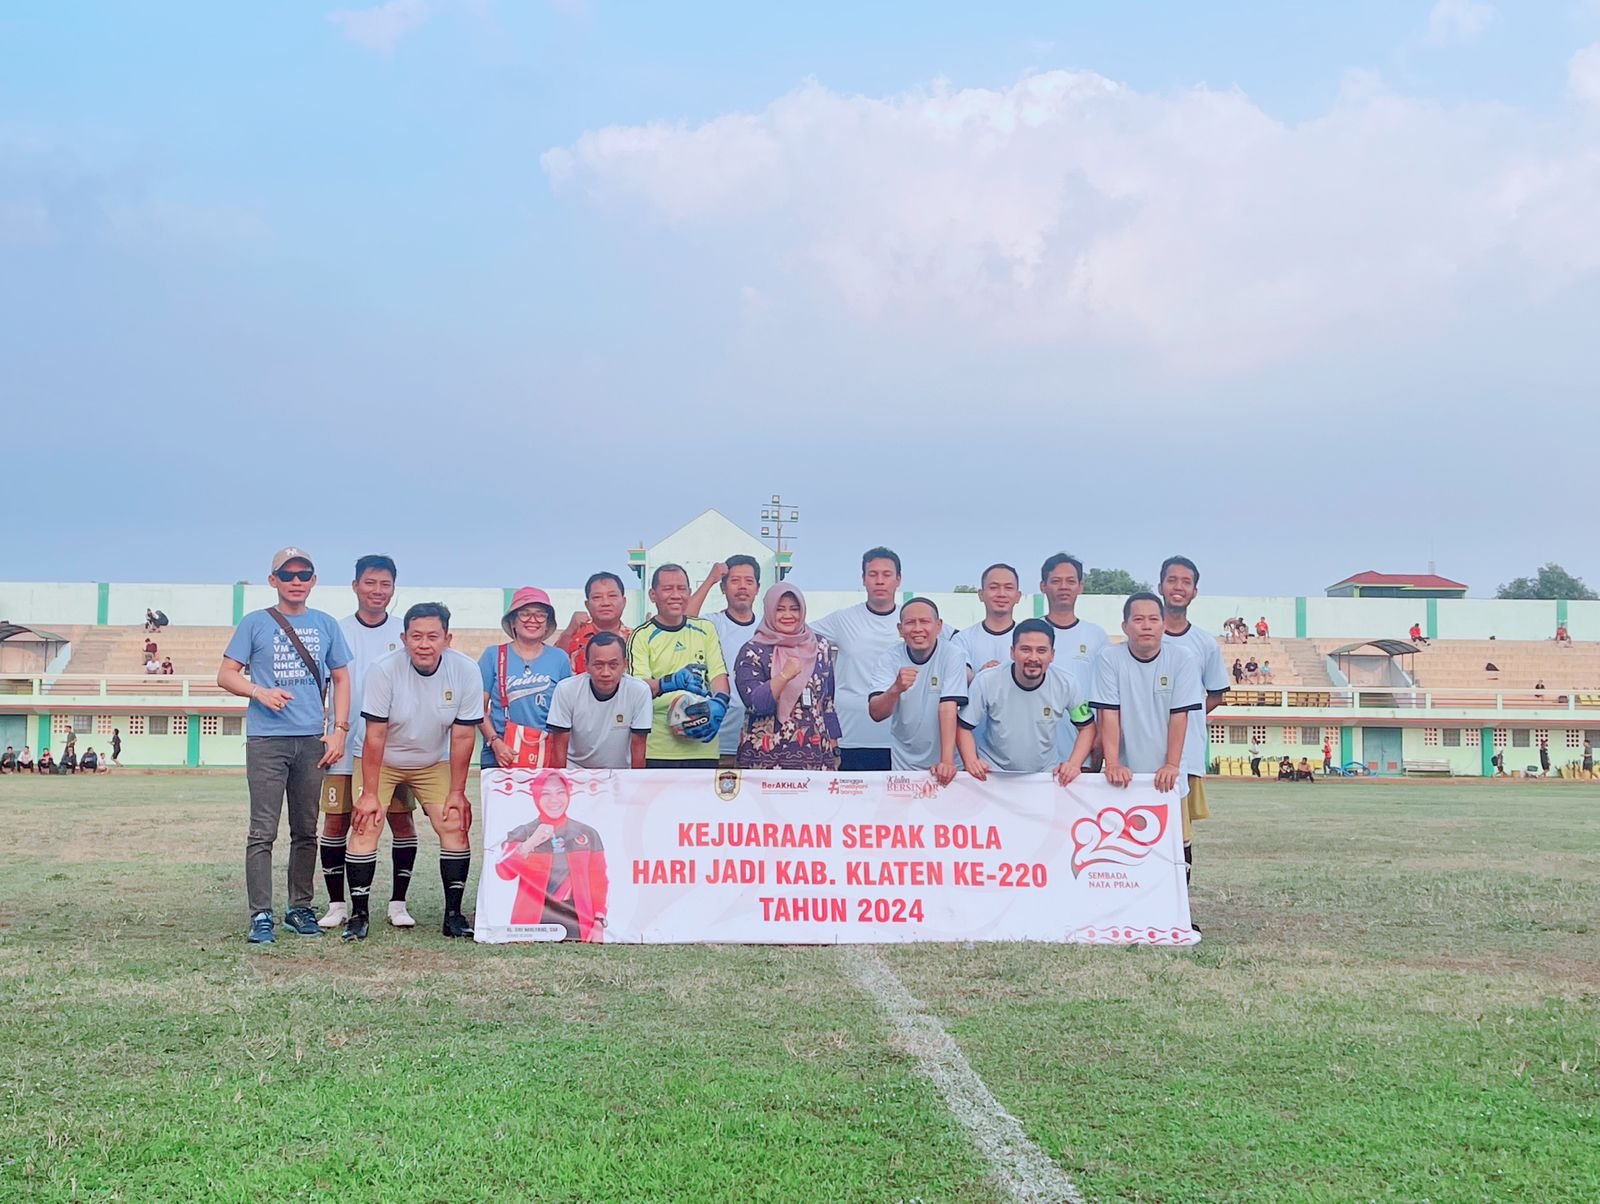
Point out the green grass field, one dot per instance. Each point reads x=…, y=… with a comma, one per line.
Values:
x=1398, y=997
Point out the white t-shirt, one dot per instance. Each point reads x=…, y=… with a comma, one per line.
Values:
x=862, y=639
x=1214, y=679
x=982, y=645
x=914, y=724
x=602, y=728
x=1145, y=695
x=732, y=636
x=1016, y=726
x=422, y=709
x=368, y=645
x=1077, y=649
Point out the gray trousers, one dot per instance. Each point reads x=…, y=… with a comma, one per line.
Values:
x=276, y=766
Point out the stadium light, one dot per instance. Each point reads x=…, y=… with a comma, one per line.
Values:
x=773, y=520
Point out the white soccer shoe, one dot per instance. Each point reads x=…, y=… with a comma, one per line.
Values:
x=337, y=914
x=399, y=916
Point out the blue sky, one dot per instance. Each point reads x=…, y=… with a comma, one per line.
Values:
x=503, y=288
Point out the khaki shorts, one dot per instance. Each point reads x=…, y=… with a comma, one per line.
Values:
x=429, y=785
x=338, y=795
x=1194, y=806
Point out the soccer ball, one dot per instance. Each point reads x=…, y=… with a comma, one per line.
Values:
x=688, y=715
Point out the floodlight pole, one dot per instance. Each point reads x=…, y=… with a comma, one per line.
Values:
x=774, y=515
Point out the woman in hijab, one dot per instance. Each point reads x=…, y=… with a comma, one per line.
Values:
x=785, y=677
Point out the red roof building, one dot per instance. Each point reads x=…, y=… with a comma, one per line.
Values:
x=1397, y=585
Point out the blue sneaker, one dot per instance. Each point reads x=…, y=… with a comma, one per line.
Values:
x=302, y=920
x=261, y=929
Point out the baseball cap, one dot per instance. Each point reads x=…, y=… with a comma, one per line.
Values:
x=284, y=555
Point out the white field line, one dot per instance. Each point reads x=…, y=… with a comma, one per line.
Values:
x=1025, y=1170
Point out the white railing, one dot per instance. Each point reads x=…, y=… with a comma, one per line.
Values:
x=133, y=689
x=1305, y=699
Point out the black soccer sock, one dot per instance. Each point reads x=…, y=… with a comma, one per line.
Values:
x=332, y=852
x=361, y=868
x=454, y=865
x=1188, y=862
x=405, y=858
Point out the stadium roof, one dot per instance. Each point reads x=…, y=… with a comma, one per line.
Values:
x=1387, y=647
x=7, y=630
x=1400, y=581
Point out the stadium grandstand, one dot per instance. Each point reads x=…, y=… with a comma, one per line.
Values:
x=1485, y=676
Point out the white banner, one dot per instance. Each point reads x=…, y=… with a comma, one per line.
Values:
x=725, y=856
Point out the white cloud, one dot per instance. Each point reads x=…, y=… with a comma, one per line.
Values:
x=381, y=27
x=1070, y=210
x=1583, y=75
x=1458, y=20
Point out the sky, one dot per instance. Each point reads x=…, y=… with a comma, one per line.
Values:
x=503, y=289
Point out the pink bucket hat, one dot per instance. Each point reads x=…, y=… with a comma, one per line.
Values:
x=527, y=595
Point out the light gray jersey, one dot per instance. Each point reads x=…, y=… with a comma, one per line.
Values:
x=1015, y=726
x=601, y=729
x=914, y=724
x=1145, y=695
x=1214, y=679
x=421, y=709
x=732, y=636
x=982, y=645
x=368, y=645
x=1077, y=649
x=862, y=639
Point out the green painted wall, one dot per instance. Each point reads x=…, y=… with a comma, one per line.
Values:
x=1486, y=751
x=238, y=602
x=192, y=757
x=43, y=742
x=1347, y=746
x=1040, y=606
x=1561, y=612
x=1300, y=627
x=1433, y=619
x=102, y=606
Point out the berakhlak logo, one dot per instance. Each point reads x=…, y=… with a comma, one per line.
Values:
x=1117, y=837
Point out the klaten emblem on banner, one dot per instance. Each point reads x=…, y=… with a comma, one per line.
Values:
x=727, y=784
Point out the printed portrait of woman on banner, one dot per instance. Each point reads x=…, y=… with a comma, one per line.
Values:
x=558, y=864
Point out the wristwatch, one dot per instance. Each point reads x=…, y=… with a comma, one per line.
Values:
x=341, y=727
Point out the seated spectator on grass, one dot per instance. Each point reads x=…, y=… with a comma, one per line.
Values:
x=25, y=760
x=47, y=763
x=90, y=761
x=69, y=760
x=1266, y=672
x=1285, y=769
x=8, y=760
x=166, y=666
x=1238, y=672
x=1252, y=671
x=1302, y=771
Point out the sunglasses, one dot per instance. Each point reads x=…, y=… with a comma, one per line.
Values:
x=295, y=574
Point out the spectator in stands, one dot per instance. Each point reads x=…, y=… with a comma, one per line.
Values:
x=1262, y=629
x=1544, y=757
x=150, y=648
x=1252, y=671
x=1538, y=688
x=1285, y=769
x=150, y=623
x=1255, y=759
x=116, y=746
x=25, y=760
x=90, y=762
x=1302, y=771
x=151, y=665
x=8, y=760
x=1327, y=756
x=166, y=666
x=1238, y=672
x=1490, y=667
x=161, y=619
x=1266, y=672
x=1561, y=635
x=47, y=763
x=1416, y=634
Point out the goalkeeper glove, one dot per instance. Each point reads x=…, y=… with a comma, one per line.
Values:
x=691, y=678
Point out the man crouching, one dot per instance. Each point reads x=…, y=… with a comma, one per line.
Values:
x=422, y=706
